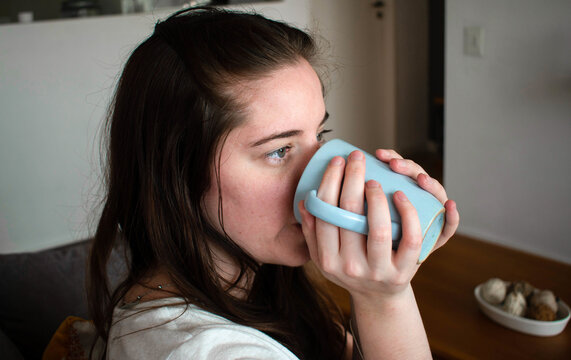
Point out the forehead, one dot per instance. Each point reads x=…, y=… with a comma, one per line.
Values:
x=290, y=97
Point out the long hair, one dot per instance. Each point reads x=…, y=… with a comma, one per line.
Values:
x=172, y=110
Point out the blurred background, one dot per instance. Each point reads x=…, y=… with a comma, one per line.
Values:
x=479, y=93
x=36, y=10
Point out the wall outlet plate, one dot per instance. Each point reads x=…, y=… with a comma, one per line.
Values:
x=474, y=41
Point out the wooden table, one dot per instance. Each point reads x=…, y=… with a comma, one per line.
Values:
x=456, y=328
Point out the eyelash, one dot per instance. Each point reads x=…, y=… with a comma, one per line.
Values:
x=275, y=157
x=321, y=133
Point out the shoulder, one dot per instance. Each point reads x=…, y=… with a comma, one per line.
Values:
x=180, y=332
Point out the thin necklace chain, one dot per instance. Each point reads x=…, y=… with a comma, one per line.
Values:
x=129, y=305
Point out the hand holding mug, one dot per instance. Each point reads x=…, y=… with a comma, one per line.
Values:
x=348, y=257
x=430, y=208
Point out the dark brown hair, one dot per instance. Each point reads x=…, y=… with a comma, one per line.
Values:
x=172, y=110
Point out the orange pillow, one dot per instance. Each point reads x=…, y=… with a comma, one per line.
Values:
x=72, y=340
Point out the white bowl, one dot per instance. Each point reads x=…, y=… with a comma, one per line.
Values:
x=525, y=325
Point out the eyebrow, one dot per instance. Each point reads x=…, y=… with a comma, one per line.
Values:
x=285, y=134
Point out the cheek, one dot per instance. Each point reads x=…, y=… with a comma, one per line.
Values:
x=259, y=201
x=278, y=199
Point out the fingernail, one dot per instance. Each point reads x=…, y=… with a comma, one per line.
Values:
x=428, y=179
x=337, y=161
x=401, y=196
x=356, y=155
x=371, y=184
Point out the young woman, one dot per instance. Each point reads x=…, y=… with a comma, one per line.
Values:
x=214, y=119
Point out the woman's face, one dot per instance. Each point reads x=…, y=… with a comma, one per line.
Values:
x=262, y=161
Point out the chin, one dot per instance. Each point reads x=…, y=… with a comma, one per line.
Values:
x=300, y=258
x=294, y=257
x=293, y=250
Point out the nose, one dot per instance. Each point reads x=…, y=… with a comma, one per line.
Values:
x=312, y=152
x=304, y=159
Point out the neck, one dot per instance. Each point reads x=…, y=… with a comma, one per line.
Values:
x=229, y=274
x=157, y=285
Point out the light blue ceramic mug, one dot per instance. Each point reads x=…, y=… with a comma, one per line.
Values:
x=430, y=210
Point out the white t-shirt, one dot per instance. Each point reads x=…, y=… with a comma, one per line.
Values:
x=181, y=332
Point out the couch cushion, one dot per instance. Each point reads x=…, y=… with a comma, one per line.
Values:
x=39, y=290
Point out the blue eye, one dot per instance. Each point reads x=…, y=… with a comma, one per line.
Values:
x=278, y=154
x=281, y=153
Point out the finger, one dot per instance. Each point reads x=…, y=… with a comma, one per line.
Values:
x=308, y=226
x=451, y=223
x=432, y=186
x=331, y=182
x=379, y=241
x=386, y=155
x=353, y=245
x=308, y=229
x=410, y=244
x=406, y=167
x=353, y=194
x=327, y=235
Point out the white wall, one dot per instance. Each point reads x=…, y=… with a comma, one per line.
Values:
x=55, y=81
x=56, y=78
x=508, y=123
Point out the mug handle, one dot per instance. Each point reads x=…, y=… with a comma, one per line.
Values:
x=341, y=217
